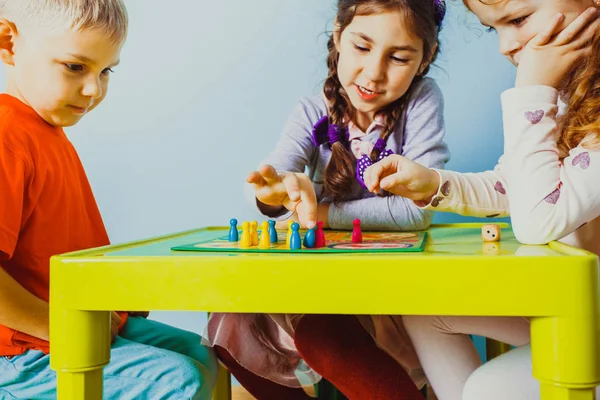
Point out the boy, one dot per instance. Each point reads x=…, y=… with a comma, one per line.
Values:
x=58, y=56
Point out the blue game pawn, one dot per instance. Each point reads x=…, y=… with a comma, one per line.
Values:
x=310, y=239
x=295, y=241
x=233, y=231
x=272, y=232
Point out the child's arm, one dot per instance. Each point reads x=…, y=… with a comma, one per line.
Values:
x=549, y=199
x=24, y=312
x=289, y=159
x=480, y=194
x=21, y=310
x=423, y=142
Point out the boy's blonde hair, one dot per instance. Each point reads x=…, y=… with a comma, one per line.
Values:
x=79, y=15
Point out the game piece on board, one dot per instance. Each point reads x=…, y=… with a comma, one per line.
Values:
x=254, y=231
x=233, y=232
x=246, y=241
x=310, y=238
x=356, y=232
x=289, y=233
x=265, y=240
x=295, y=241
x=272, y=232
x=320, y=236
x=490, y=233
x=336, y=241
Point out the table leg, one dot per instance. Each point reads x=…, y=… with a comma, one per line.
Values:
x=80, y=348
x=566, y=356
x=222, y=389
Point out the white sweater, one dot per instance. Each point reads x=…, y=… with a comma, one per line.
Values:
x=546, y=197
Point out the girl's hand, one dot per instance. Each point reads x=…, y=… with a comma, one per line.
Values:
x=291, y=190
x=322, y=215
x=551, y=55
x=402, y=177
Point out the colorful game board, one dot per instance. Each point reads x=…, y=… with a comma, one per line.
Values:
x=337, y=242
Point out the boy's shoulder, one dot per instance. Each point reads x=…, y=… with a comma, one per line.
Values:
x=11, y=124
x=17, y=129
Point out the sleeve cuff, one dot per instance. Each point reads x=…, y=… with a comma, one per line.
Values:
x=516, y=97
x=428, y=206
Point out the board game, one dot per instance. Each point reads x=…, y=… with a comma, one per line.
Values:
x=336, y=242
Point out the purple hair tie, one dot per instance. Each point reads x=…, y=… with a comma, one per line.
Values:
x=440, y=11
x=323, y=133
x=336, y=134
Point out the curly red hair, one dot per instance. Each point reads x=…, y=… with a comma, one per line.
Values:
x=580, y=125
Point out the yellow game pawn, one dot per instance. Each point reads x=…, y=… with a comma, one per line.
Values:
x=289, y=233
x=265, y=240
x=254, y=232
x=246, y=239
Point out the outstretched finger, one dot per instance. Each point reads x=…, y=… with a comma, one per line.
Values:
x=255, y=178
x=586, y=38
x=309, y=201
x=576, y=27
x=292, y=186
x=269, y=174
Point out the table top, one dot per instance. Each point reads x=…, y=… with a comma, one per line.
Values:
x=443, y=241
x=457, y=274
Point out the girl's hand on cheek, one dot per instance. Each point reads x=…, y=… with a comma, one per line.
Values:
x=553, y=53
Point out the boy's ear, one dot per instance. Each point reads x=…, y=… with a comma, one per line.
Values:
x=8, y=31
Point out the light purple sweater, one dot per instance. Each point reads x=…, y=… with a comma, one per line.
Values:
x=418, y=136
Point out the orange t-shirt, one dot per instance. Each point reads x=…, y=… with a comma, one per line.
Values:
x=46, y=206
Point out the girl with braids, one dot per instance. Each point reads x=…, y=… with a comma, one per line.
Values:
x=547, y=181
x=376, y=101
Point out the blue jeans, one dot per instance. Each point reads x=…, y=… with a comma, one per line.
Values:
x=149, y=360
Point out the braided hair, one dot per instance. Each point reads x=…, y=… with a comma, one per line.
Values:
x=424, y=17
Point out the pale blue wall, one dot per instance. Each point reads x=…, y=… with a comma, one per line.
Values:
x=204, y=88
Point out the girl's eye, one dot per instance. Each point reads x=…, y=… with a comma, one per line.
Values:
x=360, y=48
x=518, y=21
x=107, y=71
x=74, y=67
x=490, y=29
x=399, y=60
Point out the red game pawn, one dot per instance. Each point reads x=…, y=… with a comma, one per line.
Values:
x=356, y=232
x=320, y=236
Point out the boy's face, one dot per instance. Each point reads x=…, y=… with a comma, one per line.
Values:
x=379, y=58
x=62, y=76
x=519, y=21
